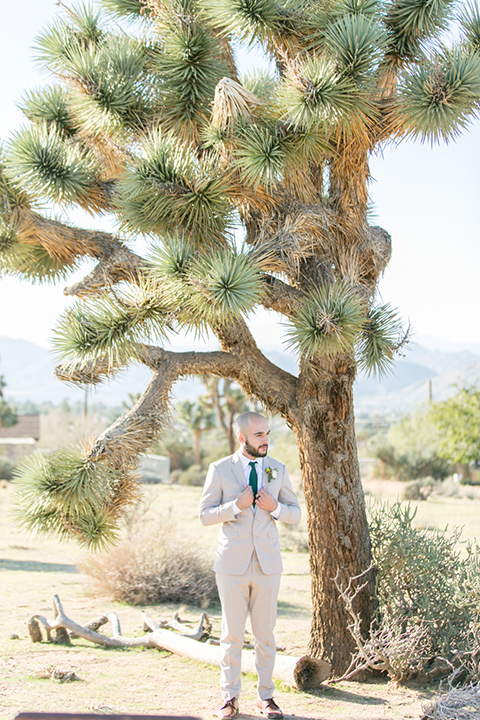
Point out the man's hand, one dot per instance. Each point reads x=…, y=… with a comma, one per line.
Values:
x=245, y=499
x=266, y=501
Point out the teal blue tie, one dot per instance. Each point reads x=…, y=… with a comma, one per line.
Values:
x=253, y=480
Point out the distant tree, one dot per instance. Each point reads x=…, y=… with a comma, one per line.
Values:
x=229, y=401
x=155, y=128
x=199, y=417
x=411, y=449
x=458, y=423
x=8, y=416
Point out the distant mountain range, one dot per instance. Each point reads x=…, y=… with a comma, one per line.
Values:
x=28, y=370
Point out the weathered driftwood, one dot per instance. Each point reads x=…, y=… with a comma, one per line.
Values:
x=202, y=630
x=304, y=673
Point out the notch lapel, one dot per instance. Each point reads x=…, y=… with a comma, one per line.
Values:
x=237, y=469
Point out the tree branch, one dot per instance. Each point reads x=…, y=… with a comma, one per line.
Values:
x=132, y=433
x=303, y=673
x=257, y=375
x=67, y=243
x=280, y=296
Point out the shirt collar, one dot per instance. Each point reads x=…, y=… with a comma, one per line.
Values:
x=245, y=461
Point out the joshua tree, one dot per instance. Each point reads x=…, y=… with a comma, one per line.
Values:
x=228, y=401
x=251, y=191
x=199, y=417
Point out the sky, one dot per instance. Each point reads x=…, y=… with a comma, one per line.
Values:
x=426, y=197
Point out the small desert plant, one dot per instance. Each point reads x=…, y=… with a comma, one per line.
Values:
x=428, y=592
x=152, y=565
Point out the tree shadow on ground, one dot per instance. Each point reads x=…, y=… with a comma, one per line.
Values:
x=34, y=566
x=286, y=607
x=346, y=696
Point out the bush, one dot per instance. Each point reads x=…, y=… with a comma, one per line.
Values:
x=152, y=566
x=448, y=488
x=176, y=444
x=410, y=450
x=6, y=469
x=194, y=475
x=428, y=591
x=418, y=489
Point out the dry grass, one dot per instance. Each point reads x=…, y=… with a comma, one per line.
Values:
x=457, y=704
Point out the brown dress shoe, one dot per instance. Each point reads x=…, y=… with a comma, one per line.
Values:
x=230, y=709
x=270, y=709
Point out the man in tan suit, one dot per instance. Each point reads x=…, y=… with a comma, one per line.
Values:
x=248, y=492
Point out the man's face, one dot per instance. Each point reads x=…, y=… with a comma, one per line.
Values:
x=254, y=440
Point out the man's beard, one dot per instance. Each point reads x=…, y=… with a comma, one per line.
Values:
x=253, y=452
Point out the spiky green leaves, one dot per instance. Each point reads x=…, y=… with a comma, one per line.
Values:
x=66, y=495
x=31, y=262
x=332, y=321
x=257, y=20
x=357, y=42
x=49, y=106
x=110, y=327
x=190, y=66
x=131, y=9
x=12, y=196
x=62, y=40
x=227, y=285
x=319, y=95
x=470, y=20
x=109, y=88
x=412, y=22
x=438, y=99
x=167, y=190
x=381, y=338
x=261, y=152
x=50, y=167
x=203, y=290
x=327, y=322
x=112, y=91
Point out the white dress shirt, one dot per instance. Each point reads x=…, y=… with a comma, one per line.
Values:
x=246, y=471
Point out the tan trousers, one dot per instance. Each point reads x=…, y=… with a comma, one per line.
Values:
x=256, y=593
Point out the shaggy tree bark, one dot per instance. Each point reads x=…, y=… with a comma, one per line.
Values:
x=338, y=535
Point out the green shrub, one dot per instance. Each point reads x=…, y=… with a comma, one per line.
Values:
x=428, y=591
x=426, y=581
x=6, y=468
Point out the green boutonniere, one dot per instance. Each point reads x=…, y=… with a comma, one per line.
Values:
x=271, y=473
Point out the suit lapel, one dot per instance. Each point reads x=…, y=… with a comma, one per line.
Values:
x=237, y=469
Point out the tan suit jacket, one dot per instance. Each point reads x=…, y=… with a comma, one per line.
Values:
x=252, y=529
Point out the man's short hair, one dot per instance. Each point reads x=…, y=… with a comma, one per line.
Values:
x=243, y=421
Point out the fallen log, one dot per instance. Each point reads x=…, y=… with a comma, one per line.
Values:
x=303, y=673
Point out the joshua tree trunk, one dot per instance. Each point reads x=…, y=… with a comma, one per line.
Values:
x=337, y=527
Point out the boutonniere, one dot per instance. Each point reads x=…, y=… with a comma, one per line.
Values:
x=271, y=473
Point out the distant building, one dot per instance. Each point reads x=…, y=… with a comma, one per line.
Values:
x=155, y=469
x=20, y=439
